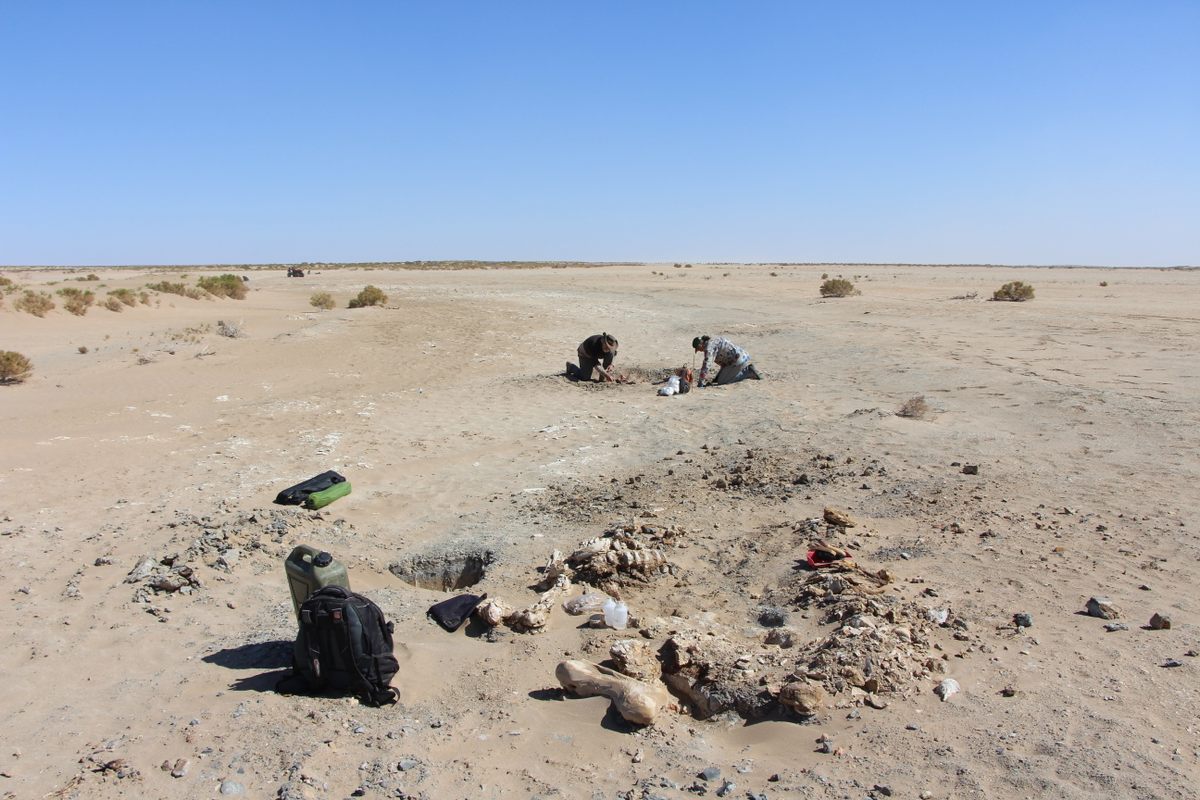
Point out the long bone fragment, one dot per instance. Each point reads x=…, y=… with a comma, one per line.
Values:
x=637, y=701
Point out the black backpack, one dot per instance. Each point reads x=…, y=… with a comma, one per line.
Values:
x=344, y=647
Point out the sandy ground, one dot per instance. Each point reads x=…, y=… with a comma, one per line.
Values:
x=447, y=411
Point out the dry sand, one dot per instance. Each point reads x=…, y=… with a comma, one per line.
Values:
x=447, y=411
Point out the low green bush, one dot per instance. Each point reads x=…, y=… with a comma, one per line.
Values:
x=224, y=286
x=125, y=296
x=1014, y=291
x=77, y=301
x=837, y=287
x=369, y=296
x=166, y=287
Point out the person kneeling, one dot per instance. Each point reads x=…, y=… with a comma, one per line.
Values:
x=734, y=362
x=596, y=354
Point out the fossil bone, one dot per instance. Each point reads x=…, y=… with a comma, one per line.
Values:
x=534, y=618
x=493, y=611
x=637, y=701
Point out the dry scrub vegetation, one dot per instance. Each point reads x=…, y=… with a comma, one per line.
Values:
x=77, y=301
x=36, y=303
x=322, y=300
x=369, y=296
x=224, y=286
x=1014, y=291
x=914, y=408
x=838, y=287
x=14, y=367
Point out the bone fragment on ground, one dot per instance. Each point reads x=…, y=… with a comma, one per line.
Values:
x=838, y=517
x=493, y=611
x=534, y=618
x=636, y=701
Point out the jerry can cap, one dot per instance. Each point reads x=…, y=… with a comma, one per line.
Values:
x=322, y=559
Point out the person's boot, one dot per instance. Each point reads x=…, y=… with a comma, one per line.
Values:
x=753, y=372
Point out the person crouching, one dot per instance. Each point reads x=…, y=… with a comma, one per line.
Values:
x=733, y=361
x=596, y=354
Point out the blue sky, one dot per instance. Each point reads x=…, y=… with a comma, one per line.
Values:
x=206, y=132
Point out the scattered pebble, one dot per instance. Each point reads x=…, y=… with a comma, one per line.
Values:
x=710, y=773
x=232, y=787
x=1113, y=627
x=1023, y=620
x=1172, y=662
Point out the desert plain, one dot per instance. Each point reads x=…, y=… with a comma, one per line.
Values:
x=147, y=436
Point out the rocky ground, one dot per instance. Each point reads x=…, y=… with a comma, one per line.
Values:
x=149, y=618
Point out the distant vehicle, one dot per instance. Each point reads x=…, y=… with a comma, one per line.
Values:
x=295, y=272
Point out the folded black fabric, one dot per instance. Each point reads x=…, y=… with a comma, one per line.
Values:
x=452, y=613
x=295, y=495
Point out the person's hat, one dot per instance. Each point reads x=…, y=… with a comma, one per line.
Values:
x=609, y=341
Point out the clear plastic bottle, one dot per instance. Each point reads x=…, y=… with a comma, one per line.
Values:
x=616, y=614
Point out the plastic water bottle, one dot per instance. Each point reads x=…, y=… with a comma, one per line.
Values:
x=616, y=614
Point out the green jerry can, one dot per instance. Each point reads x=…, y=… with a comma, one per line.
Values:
x=309, y=569
x=326, y=496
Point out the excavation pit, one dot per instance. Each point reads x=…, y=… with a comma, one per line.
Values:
x=444, y=571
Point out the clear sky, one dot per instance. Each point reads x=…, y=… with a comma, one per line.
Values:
x=199, y=132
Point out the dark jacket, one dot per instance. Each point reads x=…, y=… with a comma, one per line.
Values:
x=593, y=348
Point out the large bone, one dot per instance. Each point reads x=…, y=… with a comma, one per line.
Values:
x=637, y=701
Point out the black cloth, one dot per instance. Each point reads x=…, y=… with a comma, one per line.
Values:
x=452, y=613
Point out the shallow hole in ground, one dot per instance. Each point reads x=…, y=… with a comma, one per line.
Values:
x=444, y=571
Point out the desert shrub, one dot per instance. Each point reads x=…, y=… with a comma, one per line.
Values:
x=1104, y=283
x=369, y=296
x=77, y=301
x=83, y=349
x=967, y=296
x=1014, y=291
x=91, y=276
x=125, y=296
x=837, y=287
x=914, y=408
x=7, y=285
x=824, y=276
x=14, y=367
x=231, y=330
x=113, y=304
x=36, y=303
x=166, y=287
x=321, y=300
x=223, y=286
